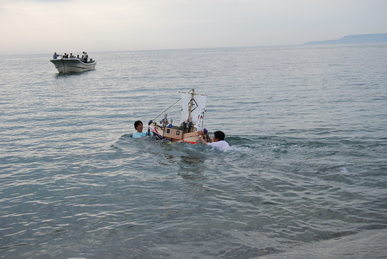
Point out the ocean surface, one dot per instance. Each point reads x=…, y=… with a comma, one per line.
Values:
x=306, y=176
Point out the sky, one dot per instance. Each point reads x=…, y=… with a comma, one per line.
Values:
x=47, y=26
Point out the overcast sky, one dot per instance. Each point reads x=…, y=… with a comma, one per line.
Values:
x=45, y=26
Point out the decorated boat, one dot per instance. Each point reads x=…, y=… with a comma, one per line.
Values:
x=191, y=120
x=73, y=65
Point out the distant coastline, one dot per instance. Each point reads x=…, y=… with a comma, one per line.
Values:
x=354, y=39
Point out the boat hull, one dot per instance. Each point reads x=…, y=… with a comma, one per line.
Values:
x=72, y=65
x=174, y=134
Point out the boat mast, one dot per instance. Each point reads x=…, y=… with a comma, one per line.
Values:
x=191, y=104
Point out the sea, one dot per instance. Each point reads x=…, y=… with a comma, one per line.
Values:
x=306, y=175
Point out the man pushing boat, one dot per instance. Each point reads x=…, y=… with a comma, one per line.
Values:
x=217, y=141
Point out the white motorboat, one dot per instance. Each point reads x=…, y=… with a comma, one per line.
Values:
x=73, y=65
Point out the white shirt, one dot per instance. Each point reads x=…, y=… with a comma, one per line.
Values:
x=221, y=144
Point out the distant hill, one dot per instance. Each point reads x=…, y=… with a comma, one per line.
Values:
x=354, y=39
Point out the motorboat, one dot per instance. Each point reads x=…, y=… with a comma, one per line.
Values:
x=73, y=65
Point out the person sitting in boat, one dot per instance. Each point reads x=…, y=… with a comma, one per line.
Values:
x=189, y=126
x=65, y=55
x=182, y=125
x=71, y=55
x=186, y=125
x=170, y=124
x=55, y=56
x=164, y=121
x=139, y=130
x=217, y=141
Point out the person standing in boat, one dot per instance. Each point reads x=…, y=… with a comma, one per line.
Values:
x=55, y=56
x=217, y=141
x=139, y=130
x=84, y=57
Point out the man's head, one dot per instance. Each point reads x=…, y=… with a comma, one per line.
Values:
x=137, y=124
x=219, y=135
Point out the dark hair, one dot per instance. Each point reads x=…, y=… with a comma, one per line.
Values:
x=219, y=135
x=137, y=123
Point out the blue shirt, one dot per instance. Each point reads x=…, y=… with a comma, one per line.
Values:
x=141, y=134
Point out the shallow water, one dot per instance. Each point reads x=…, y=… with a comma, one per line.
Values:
x=307, y=164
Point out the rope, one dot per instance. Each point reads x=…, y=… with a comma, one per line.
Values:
x=166, y=109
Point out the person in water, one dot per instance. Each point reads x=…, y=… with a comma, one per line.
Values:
x=139, y=130
x=217, y=141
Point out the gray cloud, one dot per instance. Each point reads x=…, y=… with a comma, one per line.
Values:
x=101, y=25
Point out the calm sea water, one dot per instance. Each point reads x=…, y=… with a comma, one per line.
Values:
x=306, y=176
